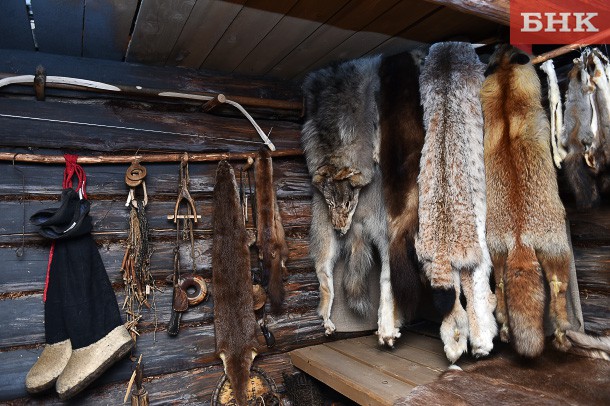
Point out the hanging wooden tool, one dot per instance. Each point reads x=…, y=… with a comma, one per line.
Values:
x=188, y=289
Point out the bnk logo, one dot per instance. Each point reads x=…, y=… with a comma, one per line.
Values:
x=559, y=22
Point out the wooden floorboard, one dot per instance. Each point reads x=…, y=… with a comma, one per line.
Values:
x=370, y=374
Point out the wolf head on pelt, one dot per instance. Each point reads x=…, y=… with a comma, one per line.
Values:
x=341, y=133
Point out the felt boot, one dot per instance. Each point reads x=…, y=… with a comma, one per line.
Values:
x=89, y=362
x=50, y=364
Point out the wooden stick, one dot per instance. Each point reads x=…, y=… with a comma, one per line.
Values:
x=169, y=157
x=556, y=52
x=492, y=10
x=218, y=100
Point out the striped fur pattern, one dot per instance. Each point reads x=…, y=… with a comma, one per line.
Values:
x=341, y=142
x=526, y=231
x=451, y=239
x=272, y=247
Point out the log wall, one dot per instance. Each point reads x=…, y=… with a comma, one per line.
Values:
x=184, y=369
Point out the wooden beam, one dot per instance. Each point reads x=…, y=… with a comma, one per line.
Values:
x=494, y=10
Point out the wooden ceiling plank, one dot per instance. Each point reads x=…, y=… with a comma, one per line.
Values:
x=253, y=22
x=351, y=18
x=59, y=26
x=450, y=24
x=14, y=20
x=302, y=20
x=207, y=23
x=158, y=26
x=492, y=10
x=107, y=26
x=396, y=19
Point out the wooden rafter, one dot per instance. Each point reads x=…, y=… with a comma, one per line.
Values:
x=493, y=10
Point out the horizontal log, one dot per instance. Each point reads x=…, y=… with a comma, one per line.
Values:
x=596, y=312
x=104, y=128
x=291, y=179
x=591, y=227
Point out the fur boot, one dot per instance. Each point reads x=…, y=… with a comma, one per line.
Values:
x=526, y=231
x=272, y=247
x=452, y=208
x=402, y=138
x=234, y=320
x=341, y=142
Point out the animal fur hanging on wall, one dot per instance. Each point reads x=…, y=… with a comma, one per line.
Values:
x=272, y=248
x=341, y=142
x=598, y=156
x=556, y=113
x=526, y=231
x=451, y=239
x=234, y=322
x=578, y=135
x=402, y=138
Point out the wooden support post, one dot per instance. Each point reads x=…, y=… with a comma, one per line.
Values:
x=217, y=100
x=40, y=81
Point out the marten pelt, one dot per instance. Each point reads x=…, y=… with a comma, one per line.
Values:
x=234, y=320
x=526, y=231
x=272, y=248
x=402, y=138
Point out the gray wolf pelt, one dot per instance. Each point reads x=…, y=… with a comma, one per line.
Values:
x=234, y=321
x=451, y=239
x=272, y=247
x=526, y=231
x=402, y=139
x=341, y=141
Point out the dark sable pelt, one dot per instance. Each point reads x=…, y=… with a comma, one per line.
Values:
x=234, y=320
x=272, y=248
x=402, y=138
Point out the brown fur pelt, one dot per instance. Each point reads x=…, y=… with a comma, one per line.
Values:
x=599, y=154
x=451, y=237
x=402, y=138
x=272, y=248
x=234, y=320
x=578, y=132
x=553, y=379
x=526, y=231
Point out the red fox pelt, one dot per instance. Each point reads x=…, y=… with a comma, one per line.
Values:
x=272, y=248
x=234, y=321
x=402, y=138
x=526, y=231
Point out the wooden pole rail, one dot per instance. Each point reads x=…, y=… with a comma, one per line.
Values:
x=168, y=157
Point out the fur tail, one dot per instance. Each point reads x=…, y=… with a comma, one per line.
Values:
x=525, y=297
x=581, y=181
x=276, y=284
x=590, y=346
x=355, y=281
x=404, y=276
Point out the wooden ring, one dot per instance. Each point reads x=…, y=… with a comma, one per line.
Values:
x=135, y=174
x=198, y=284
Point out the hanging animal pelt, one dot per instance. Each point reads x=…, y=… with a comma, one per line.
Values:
x=402, y=138
x=272, y=248
x=234, y=320
x=526, y=231
x=341, y=142
x=578, y=131
x=556, y=113
x=598, y=155
x=451, y=240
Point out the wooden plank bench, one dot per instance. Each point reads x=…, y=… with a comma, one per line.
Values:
x=373, y=375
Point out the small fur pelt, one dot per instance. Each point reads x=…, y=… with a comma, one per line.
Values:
x=451, y=238
x=272, y=247
x=526, y=231
x=598, y=155
x=555, y=110
x=234, y=319
x=578, y=117
x=341, y=142
x=402, y=138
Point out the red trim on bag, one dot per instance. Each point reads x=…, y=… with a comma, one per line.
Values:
x=46, y=283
